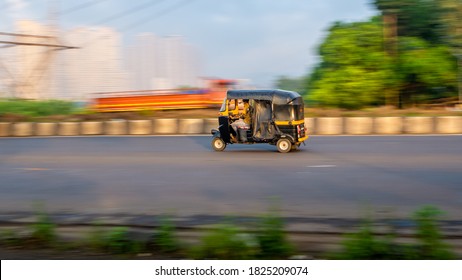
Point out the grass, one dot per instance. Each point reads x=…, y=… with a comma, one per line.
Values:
x=265, y=239
x=164, y=239
x=36, y=108
x=44, y=230
x=272, y=238
x=225, y=242
x=114, y=241
x=429, y=245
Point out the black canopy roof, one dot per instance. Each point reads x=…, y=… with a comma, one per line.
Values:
x=276, y=96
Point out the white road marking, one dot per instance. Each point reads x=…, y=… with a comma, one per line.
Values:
x=321, y=166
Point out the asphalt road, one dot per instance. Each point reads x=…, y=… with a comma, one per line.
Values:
x=342, y=176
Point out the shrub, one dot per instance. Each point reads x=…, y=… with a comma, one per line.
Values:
x=115, y=241
x=118, y=241
x=165, y=239
x=43, y=231
x=272, y=238
x=431, y=245
x=9, y=237
x=364, y=245
x=226, y=242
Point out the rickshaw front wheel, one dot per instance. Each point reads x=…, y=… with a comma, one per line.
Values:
x=218, y=144
x=284, y=145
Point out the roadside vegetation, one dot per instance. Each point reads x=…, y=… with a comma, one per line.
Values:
x=18, y=109
x=408, y=55
x=57, y=111
x=266, y=238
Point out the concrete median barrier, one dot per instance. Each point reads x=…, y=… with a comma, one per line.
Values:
x=210, y=124
x=309, y=125
x=388, y=125
x=190, y=126
x=5, y=129
x=418, y=125
x=91, y=128
x=23, y=129
x=359, y=125
x=45, y=129
x=116, y=127
x=68, y=129
x=165, y=126
x=314, y=126
x=329, y=126
x=140, y=127
x=449, y=125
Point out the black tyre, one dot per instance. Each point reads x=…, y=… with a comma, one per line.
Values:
x=218, y=144
x=284, y=145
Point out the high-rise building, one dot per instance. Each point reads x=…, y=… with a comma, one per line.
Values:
x=162, y=63
x=96, y=66
x=142, y=61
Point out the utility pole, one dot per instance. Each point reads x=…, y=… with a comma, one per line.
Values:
x=453, y=23
x=390, y=34
x=24, y=84
x=459, y=78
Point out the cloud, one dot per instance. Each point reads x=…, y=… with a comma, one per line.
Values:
x=16, y=5
x=10, y=11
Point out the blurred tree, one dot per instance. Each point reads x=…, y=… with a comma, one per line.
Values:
x=451, y=19
x=405, y=57
x=415, y=18
x=425, y=72
x=355, y=70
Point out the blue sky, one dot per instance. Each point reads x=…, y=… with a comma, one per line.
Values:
x=255, y=39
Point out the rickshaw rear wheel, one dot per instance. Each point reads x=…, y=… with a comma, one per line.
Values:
x=218, y=144
x=284, y=145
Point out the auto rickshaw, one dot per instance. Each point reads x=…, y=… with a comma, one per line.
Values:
x=274, y=117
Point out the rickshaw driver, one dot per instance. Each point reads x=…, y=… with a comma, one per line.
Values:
x=241, y=119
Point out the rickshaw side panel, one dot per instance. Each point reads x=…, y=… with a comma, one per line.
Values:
x=223, y=127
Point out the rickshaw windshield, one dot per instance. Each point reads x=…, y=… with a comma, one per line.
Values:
x=223, y=106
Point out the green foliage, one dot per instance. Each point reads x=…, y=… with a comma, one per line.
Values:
x=355, y=70
x=36, y=108
x=359, y=69
x=451, y=20
x=225, y=242
x=365, y=245
x=114, y=241
x=423, y=67
x=431, y=245
x=43, y=230
x=165, y=239
x=96, y=237
x=9, y=237
x=272, y=238
x=118, y=241
x=415, y=18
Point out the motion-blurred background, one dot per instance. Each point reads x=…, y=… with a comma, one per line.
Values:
x=342, y=54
